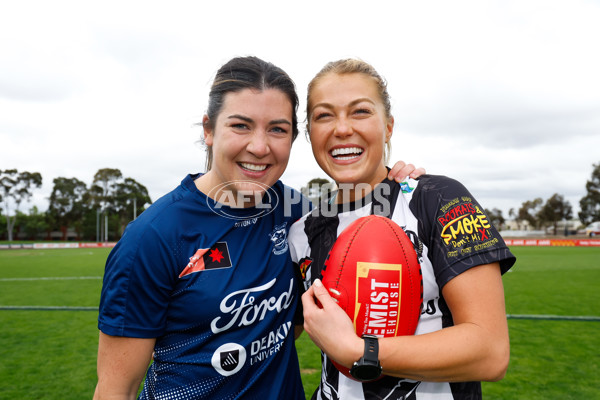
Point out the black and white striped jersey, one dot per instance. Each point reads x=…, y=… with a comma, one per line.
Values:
x=451, y=234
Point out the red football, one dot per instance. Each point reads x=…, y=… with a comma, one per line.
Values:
x=373, y=272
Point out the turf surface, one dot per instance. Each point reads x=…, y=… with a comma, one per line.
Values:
x=47, y=353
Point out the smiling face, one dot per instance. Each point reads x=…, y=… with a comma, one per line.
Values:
x=349, y=128
x=251, y=141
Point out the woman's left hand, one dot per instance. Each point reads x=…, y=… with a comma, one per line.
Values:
x=401, y=170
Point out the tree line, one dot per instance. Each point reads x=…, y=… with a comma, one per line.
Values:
x=540, y=214
x=102, y=210
x=99, y=211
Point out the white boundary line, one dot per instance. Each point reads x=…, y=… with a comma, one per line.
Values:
x=554, y=317
x=588, y=318
x=47, y=308
x=50, y=278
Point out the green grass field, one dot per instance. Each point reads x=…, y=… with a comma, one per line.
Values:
x=48, y=352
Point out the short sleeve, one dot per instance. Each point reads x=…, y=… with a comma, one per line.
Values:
x=138, y=280
x=455, y=228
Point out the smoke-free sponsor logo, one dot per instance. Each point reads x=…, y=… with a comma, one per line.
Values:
x=465, y=228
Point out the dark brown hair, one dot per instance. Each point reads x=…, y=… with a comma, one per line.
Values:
x=250, y=72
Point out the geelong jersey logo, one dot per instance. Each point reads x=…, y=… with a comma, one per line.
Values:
x=279, y=239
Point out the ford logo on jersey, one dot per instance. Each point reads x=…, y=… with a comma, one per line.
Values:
x=243, y=308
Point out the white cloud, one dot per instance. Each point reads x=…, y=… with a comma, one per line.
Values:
x=502, y=95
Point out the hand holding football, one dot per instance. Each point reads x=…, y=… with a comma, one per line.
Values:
x=374, y=274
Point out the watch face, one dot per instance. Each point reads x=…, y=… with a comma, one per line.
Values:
x=366, y=372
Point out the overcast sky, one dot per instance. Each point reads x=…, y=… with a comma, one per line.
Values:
x=502, y=95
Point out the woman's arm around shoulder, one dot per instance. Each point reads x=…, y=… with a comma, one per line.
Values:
x=122, y=364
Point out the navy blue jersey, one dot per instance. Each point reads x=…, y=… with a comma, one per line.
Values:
x=216, y=287
x=451, y=234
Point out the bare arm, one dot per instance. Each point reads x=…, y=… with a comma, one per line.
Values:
x=122, y=364
x=475, y=348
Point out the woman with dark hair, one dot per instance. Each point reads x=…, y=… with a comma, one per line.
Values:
x=202, y=279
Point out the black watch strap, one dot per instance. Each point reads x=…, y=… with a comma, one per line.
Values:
x=371, y=355
x=368, y=367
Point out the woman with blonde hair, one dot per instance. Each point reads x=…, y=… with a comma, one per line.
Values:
x=462, y=335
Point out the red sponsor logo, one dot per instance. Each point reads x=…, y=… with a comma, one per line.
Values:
x=457, y=212
x=377, y=308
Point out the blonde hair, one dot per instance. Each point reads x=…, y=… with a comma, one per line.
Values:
x=353, y=66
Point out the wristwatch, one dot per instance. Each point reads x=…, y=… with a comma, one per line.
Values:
x=368, y=367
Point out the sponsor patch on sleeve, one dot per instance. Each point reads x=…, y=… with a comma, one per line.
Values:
x=465, y=228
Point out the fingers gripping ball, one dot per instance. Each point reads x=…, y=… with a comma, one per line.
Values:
x=374, y=274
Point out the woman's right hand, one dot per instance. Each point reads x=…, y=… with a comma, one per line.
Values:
x=329, y=326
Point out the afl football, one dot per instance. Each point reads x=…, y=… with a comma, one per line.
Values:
x=373, y=272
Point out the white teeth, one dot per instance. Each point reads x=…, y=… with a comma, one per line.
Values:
x=354, y=151
x=253, y=167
